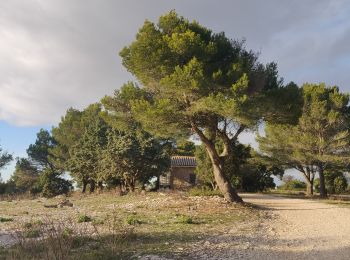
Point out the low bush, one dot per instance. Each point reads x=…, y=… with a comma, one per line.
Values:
x=84, y=218
x=133, y=220
x=183, y=219
x=2, y=219
x=293, y=185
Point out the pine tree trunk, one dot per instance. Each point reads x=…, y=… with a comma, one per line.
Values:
x=92, y=186
x=309, y=188
x=100, y=185
x=323, y=191
x=83, y=190
x=221, y=180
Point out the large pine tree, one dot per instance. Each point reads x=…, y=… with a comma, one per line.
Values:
x=201, y=83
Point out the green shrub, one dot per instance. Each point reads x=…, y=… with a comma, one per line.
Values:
x=293, y=185
x=84, y=218
x=133, y=220
x=340, y=184
x=67, y=232
x=2, y=219
x=183, y=219
x=196, y=191
x=335, y=183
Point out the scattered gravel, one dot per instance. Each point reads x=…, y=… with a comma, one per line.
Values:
x=290, y=229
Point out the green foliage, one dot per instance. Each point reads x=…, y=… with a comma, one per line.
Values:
x=118, y=112
x=84, y=218
x=196, y=73
x=85, y=153
x=26, y=177
x=50, y=181
x=185, y=148
x=340, y=184
x=319, y=141
x=202, y=83
x=257, y=177
x=107, y=145
x=39, y=152
x=335, y=182
x=3, y=219
x=183, y=219
x=292, y=184
x=245, y=170
x=5, y=158
x=133, y=220
x=8, y=187
x=53, y=184
x=204, y=172
x=67, y=133
x=37, y=173
x=132, y=157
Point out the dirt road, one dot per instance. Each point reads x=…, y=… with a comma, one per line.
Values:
x=292, y=229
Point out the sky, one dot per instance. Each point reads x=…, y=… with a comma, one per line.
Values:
x=56, y=54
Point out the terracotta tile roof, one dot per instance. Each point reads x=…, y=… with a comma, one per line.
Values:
x=183, y=161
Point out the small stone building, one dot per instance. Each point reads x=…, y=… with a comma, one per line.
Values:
x=181, y=175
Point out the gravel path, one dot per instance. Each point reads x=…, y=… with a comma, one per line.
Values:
x=306, y=229
x=292, y=229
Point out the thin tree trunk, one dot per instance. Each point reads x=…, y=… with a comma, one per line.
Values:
x=119, y=189
x=132, y=186
x=323, y=191
x=309, y=188
x=100, y=185
x=92, y=186
x=83, y=190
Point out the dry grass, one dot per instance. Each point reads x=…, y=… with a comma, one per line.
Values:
x=127, y=226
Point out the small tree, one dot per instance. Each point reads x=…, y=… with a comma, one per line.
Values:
x=133, y=157
x=83, y=162
x=40, y=157
x=53, y=184
x=26, y=177
x=132, y=154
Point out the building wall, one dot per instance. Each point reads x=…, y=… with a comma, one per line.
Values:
x=182, y=177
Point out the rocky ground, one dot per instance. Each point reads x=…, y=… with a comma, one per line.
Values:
x=272, y=228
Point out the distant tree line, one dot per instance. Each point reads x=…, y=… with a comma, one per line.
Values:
x=101, y=146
